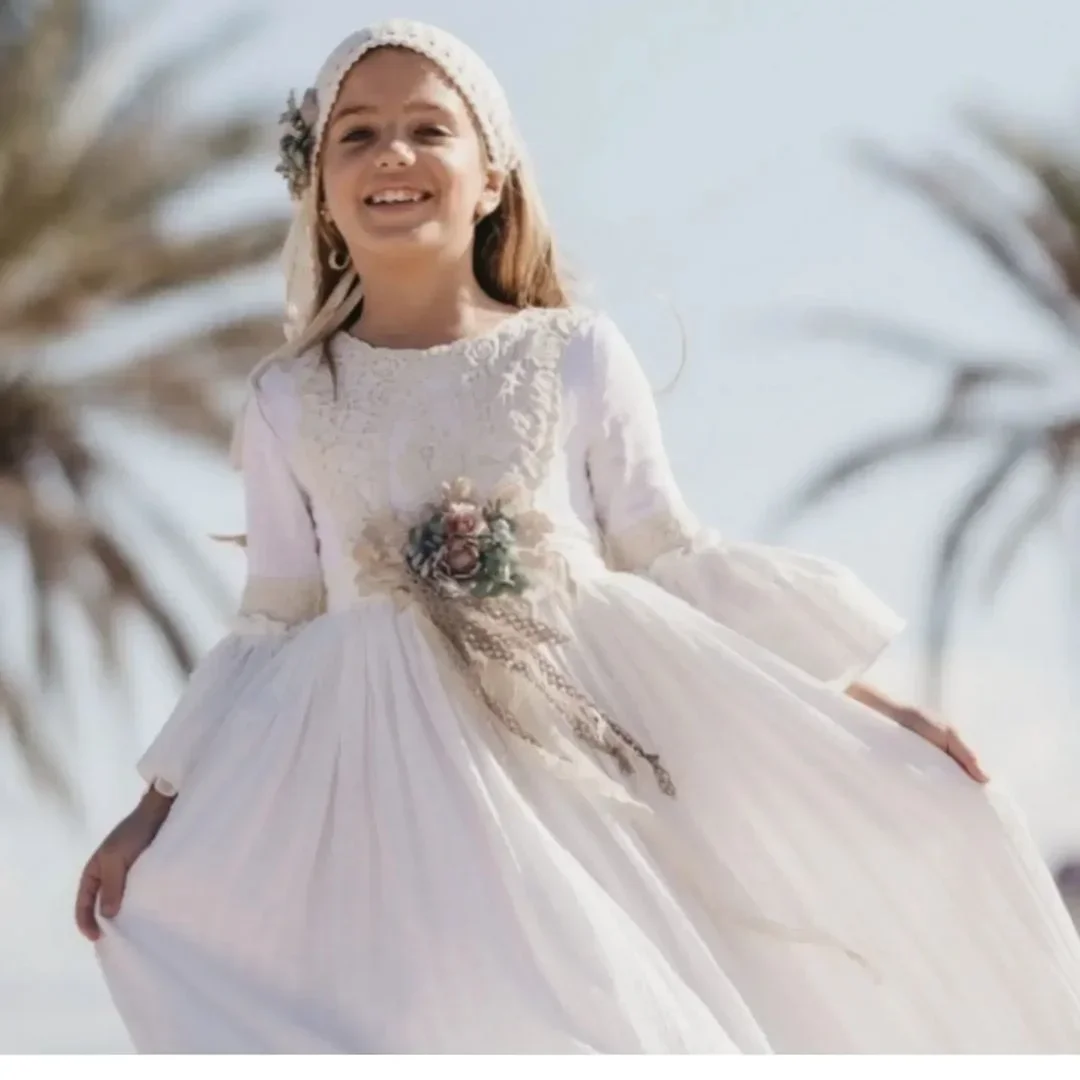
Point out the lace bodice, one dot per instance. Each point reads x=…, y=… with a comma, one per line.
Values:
x=552, y=399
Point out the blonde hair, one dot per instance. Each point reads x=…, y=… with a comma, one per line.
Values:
x=514, y=257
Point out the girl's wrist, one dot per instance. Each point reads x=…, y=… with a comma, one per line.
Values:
x=154, y=806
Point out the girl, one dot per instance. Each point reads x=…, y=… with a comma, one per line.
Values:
x=506, y=753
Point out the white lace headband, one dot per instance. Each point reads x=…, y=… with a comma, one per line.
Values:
x=303, y=125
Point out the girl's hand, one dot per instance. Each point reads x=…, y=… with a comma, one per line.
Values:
x=944, y=738
x=106, y=872
x=933, y=731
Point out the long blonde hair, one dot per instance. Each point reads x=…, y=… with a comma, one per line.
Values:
x=514, y=255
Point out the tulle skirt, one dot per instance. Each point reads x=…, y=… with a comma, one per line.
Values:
x=363, y=861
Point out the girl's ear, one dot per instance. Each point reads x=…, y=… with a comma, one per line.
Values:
x=492, y=194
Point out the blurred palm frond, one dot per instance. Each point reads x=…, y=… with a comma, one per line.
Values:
x=985, y=398
x=93, y=154
x=1067, y=878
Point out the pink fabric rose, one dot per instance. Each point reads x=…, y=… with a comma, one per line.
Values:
x=461, y=519
x=462, y=557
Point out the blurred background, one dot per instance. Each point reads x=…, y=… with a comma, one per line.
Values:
x=865, y=219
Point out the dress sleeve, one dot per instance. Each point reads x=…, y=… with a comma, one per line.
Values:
x=284, y=590
x=810, y=611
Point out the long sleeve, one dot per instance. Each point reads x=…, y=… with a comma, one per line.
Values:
x=283, y=591
x=284, y=578
x=810, y=611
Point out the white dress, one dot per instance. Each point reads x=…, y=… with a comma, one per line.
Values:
x=362, y=859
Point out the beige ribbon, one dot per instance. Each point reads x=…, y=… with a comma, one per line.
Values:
x=504, y=633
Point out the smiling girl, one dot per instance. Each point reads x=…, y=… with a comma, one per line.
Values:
x=506, y=752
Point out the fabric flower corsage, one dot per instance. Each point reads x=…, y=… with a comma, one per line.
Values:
x=473, y=566
x=297, y=143
x=467, y=548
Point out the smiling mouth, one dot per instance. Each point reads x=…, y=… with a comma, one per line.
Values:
x=397, y=197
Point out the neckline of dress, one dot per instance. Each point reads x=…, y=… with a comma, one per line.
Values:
x=489, y=342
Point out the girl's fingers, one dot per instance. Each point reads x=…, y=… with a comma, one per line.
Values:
x=965, y=757
x=113, y=874
x=85, y=919
x=946, y=738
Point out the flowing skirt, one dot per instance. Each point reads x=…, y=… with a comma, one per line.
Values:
x=364, y=862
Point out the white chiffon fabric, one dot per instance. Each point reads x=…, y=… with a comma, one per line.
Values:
x=358, y=859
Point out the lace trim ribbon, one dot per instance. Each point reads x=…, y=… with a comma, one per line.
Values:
x=636, y=547
x=276, y=605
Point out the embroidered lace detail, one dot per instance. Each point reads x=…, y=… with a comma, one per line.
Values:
x=388, y=427
x=275, y=605
x=636, y=548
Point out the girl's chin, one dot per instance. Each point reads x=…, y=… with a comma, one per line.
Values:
x=430, y=235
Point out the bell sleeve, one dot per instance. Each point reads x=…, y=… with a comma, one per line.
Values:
x=810, y=611
x=283, y=591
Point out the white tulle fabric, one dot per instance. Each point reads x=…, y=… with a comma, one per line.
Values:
x=358, y=861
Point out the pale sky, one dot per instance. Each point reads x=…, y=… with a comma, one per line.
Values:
x=694, y=149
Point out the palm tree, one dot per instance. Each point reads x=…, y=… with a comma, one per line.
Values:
x=86, y=173
x=1010, y=407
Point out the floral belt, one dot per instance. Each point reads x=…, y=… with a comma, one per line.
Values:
x=472, y=566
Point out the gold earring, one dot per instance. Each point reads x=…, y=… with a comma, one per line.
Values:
x=339, y=253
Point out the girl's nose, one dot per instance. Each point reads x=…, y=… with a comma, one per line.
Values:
x=397, y=154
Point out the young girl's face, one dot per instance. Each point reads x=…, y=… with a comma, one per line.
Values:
x=404, y=171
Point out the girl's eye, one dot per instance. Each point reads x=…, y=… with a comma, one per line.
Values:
x=433, y=131
x=361, y=134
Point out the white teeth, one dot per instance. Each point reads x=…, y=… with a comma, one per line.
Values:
x=399, y=195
